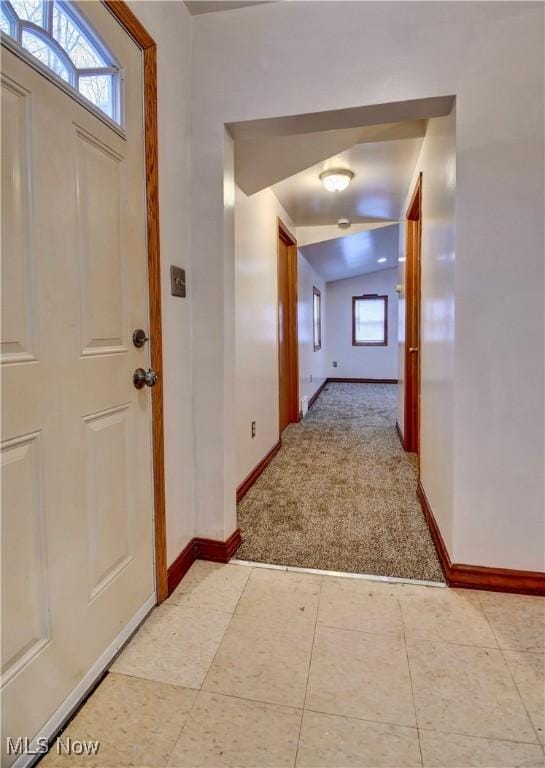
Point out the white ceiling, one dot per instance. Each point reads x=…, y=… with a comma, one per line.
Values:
x=379, y=143
x=196, y=7
x=382, y=174
x=355, y=254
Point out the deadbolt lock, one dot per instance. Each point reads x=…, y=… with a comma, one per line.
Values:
x=139, y=338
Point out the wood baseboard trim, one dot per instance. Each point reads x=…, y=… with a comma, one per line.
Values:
x=219, y=551
x=497, y=579
x=340, y=380
x=317, y=394
x=247, y=483
x=202, y=549
x=181, y=565
x=400, y=435
x=479, y=576
x=436, y=535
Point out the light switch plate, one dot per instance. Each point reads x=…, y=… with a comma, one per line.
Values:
x=177, y=281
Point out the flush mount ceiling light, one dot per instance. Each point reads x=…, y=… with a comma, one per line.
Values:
x=336, y=180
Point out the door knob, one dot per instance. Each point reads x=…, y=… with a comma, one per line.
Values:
x=142, y=378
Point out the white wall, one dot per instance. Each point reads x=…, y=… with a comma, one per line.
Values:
x=360, y=362
x=268, y=60
x=437, y=163
x=311, y=363
x=171, y=27
x=256, y=377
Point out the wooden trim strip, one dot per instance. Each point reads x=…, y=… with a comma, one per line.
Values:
x=340, y=380
x=412, y=377
x=497, y=579
x=130, y=23
x=181, y=565
x=478, y=576
x=247, y=483
x=219, y=551
x=292, y=338
x=121, y=11
x=202, y=549
x=400, y=435
x=317, y=394
x=436, y=535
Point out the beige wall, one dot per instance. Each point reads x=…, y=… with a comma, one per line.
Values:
x=171, y=27
x=360, y=362
x=489, y=55
x=437, y=163
x=311, y=362
x=256, y=288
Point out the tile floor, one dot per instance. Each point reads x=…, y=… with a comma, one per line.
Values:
x=262, y=668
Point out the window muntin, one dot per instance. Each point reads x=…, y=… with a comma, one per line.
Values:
x=39, y=47
x=54, y=33
x=7, y=22
x=370, y=320
x=317, y=318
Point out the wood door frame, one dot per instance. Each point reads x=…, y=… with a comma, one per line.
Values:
x=413, y=271
x=285, y=235
x=126, y=18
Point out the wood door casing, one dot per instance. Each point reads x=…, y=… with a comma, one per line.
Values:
x=411, y=435
x=132, y=26
x=288, y=368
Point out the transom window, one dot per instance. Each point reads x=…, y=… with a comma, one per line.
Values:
x=56, y=34
x=370, y=320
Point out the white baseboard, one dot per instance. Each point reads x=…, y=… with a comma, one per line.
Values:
x=71, y=703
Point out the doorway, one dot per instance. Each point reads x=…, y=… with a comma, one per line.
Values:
x=411, y=433
x=288, y=367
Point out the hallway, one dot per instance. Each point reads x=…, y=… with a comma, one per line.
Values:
x=258, y=668
x=341, y=493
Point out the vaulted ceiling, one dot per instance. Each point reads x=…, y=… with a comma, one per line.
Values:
x=382, y=173
x=355, y=254
x=379, y=143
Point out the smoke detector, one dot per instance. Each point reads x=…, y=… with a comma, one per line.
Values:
x=343, y=223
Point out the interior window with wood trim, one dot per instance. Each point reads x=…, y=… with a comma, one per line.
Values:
x=317, y=318
x=370, y=321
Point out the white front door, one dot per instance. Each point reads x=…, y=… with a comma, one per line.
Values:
x=77, y=504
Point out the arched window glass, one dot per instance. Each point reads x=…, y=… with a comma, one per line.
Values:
x=54, y=32
x=29, y=10
x=40, y=48
x=71, y=39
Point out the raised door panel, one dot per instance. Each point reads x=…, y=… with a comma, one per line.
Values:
x=108, y=504
x=101, y=195
x=25, y=610
x=17, y=331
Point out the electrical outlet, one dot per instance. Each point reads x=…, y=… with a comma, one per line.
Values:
x=334, y=363
x=253, y=429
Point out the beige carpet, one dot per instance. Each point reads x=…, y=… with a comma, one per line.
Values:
x=341, y=493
